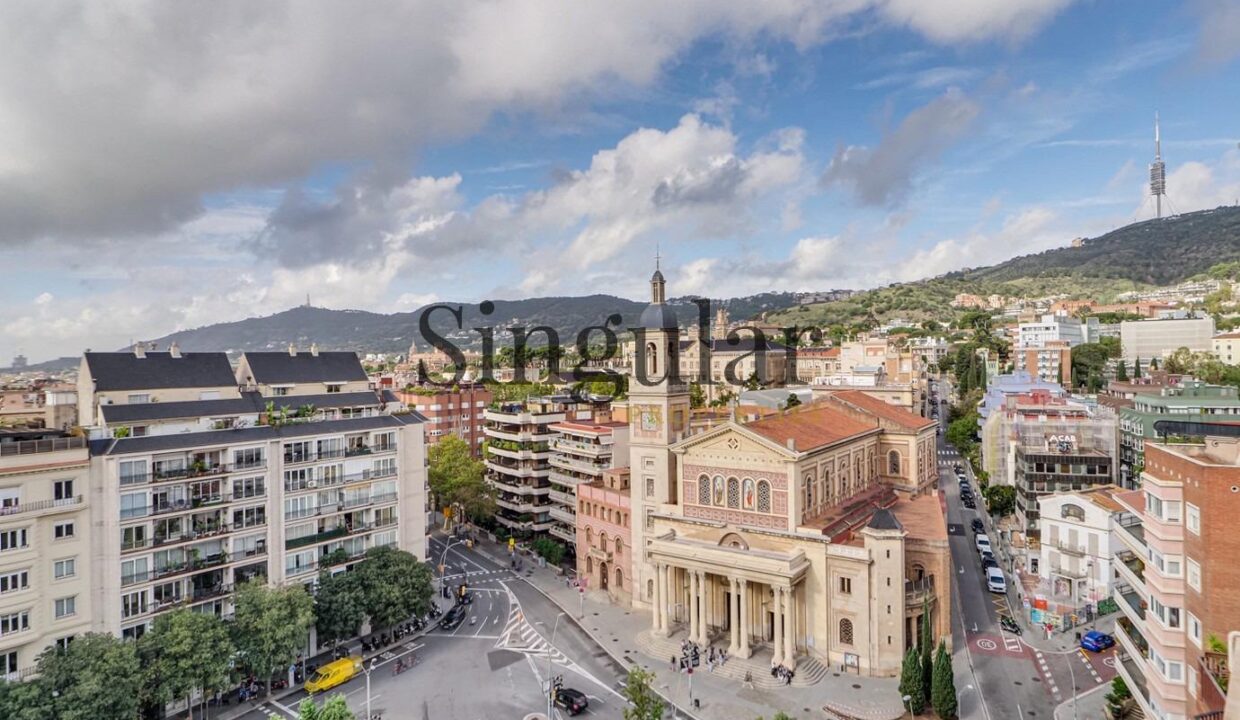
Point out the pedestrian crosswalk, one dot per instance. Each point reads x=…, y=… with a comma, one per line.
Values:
x=520, y=636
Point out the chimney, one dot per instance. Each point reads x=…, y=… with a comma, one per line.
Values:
x=792, y=444
x=292, y=350
x=174, y=350
x=314, y=349
x=139, y=349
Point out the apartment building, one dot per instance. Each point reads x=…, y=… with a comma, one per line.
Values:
x=1226, y=347
x=604, y=535
x=1050, y=361
x=1187, y=401
x=45, y=522
x=580, y=453
x=205, y=478
x=1078, y=542
x=1176, y=577
x=1147, y=339
x=517, y=457
x=1050, y=328
x=459, y=411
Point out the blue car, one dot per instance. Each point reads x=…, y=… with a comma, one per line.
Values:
x=1095, y=641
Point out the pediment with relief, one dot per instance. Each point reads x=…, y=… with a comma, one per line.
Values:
x=732, y=443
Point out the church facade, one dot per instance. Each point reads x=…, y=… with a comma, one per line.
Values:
x=817, y=532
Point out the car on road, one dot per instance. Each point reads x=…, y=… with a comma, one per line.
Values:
x=994, y=580
x=970, y=503
x=453, y=618
x=982, y=541
x=334, y=673
x=978, y=526
x=574, y=701
x=988, y=560
x=1095, y=641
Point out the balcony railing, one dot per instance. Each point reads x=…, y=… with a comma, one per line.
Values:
x=563, y=498
x=340, y=480
x=339, y=531
x=917, y=591
x=31, y=447
x=1071, y=549
x=40, y=505
x=562, y=515
x=569, y=463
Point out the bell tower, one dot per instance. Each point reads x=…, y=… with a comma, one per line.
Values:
x=658, y=418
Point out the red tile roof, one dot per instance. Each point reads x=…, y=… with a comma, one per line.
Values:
x=882, y=409
x=813, y=427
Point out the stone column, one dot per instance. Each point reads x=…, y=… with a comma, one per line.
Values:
x=665, y=599
x=693, y=606
x=777, y=607
x=704, y=608
x=656, y=617
x=790, y=645
x=734, y=620
x=743, y=591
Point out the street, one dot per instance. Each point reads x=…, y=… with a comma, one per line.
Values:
x=494, y=665
x=998, y=674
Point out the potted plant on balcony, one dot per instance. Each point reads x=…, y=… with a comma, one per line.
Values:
x=194, y=554
x=1119, y=701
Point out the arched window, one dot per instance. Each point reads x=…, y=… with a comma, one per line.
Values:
x=619, y=547
x=619, y=579
x=893, y=463
x=734, y=493
x=919, y=571
x=589, y=536
x=652, y=359
x=703, y=490
x=846, y=632
x=764, y=496
x=602, y=542
x=589, y=565
x=808, y=481
x=1072, y=512
x=717, y=492
x=650, y=589
x=749, y=494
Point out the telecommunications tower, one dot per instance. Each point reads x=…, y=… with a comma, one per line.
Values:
x=1158, y=172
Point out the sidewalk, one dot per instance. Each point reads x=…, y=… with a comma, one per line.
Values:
x=1086, y=706
x=616, y=630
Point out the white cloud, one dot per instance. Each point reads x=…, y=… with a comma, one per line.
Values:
x=949, y=21
x=1027, y=231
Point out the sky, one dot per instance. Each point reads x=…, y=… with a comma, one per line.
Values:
x=170, y=165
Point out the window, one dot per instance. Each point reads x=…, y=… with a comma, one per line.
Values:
x=764, y=496
x=66, y=568
x=14, y=581
x=139, y=399
x=14, y=539
x=734, y=493
x=1072, y=512
x=1194, y=574
x=893, y=463
x=14, y=622
x=133, y=505
x=846, y=632
x=62, y=490
x=703, y=489
x=133, y=472
x=281, y=390
x=846, y=586
x=248, y=458
x=1194, y=629
x=334, y=387
x=8, y=663
x=650, y=488
x=133, y=604
x=1192, y=518
x=619, y=579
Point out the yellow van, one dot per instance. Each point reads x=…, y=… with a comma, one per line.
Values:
x=334, y=673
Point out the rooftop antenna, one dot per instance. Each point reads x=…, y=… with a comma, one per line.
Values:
x=1158, y=172
x=657, y=256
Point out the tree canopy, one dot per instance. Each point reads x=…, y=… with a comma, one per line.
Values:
x=185, y=652
x=644, y=704
x=270, y=625
x=396, y=586
x=457, y=480
x=338, y=606
x=95, y=676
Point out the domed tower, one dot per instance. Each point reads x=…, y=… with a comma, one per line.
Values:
x=658, y=417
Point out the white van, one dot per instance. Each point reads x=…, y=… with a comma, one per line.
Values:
x=983, y=543
x=994, y=580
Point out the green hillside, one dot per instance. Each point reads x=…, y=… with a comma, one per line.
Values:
x=1156, y=252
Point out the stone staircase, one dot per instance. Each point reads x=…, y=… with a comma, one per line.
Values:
x=809, y=670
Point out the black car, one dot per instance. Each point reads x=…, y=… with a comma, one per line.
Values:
x=574, y=701
x=988, y=561
x=453, y=618
x=977, y=525
x=969, y=503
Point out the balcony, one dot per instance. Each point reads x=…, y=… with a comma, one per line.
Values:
x=1072, y=549
x=1133, y=672
x=917, y=592
x=520, y=507
x=566, y=534
x=563, y=515
x=1131, y=639
x=33, y=447
x=1130, y=569
x=1131, y=603
x=1070, y=572
x=44, y=506
x=1132, y=534
x=563, y=498
x=603, y=447
x=594, y=469
x=517, y=487
x=325, y=535
x=516, y=471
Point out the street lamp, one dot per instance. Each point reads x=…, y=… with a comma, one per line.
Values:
x=908, y=703
x=550, y=677
x=367, y=671
x=443, y=558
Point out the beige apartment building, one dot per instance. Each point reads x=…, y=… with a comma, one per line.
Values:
x=205, y=477
x=45, y=525
x=580, y=454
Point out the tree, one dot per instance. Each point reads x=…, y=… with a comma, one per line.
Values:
x=1153, y=363
x=456, y=479
x=644, y=704
x=1136, y=368
x=395, y=586
x=1001, y=499
x=28, y=700
x=335, y=708
x=943, y=694
x=1088, y=359
x=95, y=676
x=1111, y=345
x=1121, y=371
x=927, y=644
x=175, y=661
x=270, y=625
x=792, y=401
x=1118, y=697
x=910, y=681
x=1180, y=362
x=338, y=611
x=697, y=398
x=753, y=382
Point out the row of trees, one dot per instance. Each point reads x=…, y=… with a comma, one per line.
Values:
x=457, y=481
x=189, y=653
x=926, y=677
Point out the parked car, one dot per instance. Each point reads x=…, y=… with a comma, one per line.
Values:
x=970, y=503
x=334, y=673
x=977, y=525
x=1095, y=641
x=574, y=701
x=988, y=561
x=982, y=541
x=453, y=618
x=994, y=580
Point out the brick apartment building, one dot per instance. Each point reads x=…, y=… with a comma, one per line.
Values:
x=455, y=411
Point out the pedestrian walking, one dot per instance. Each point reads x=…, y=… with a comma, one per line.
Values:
x=673, y=663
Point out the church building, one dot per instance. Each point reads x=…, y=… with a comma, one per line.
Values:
x=816, y=534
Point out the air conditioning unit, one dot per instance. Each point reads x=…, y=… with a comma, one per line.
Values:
x=312, y=484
